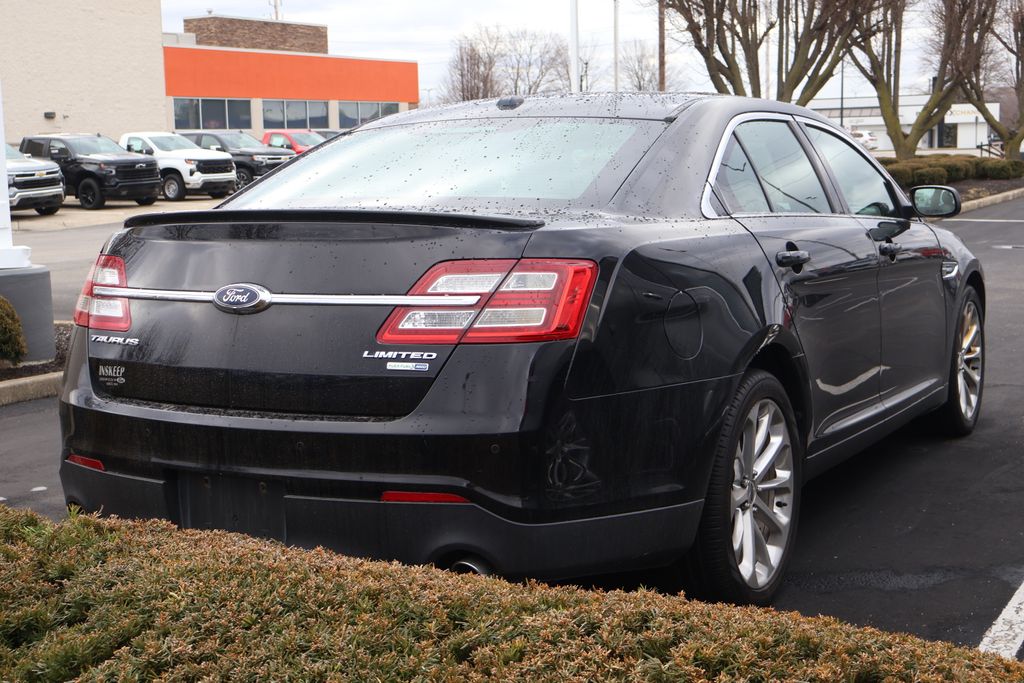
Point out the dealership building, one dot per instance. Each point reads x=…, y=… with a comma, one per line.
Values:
x=101, y=67
x=961, y=130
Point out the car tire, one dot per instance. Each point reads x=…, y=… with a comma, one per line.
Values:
x=90, y=196
x=959, y=415
x=243, y=177
x=749, y=522
x=173, y=187
x=47, y=210
x=146, y=201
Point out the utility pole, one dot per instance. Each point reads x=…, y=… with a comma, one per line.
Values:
x=276, y=4
x=615, y=42
x=661, y=45
x=574, y=46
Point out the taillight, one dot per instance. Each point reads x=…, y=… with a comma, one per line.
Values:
x=420, y=497
x=91, y=463
x=520, y=301
x=104, y=312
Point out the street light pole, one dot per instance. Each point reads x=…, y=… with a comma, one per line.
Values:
x=615, y=42
x=661, y=45
x=574, y=46
x=842, y=89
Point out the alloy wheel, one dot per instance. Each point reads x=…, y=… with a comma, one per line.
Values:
x=762, y=493
x=969, y=361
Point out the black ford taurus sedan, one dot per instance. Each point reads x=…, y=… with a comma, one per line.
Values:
x=547, y=337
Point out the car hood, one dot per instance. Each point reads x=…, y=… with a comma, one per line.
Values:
x=266, y=151
x=194, y=154
x=25, y=165
x=125, y=158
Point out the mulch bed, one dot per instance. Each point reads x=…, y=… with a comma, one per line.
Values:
x=976, y=189
x=62, y=337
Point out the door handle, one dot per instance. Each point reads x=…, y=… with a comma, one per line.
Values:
x=792, y=259
x=889, y=249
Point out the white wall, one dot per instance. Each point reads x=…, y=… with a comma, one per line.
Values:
x=97, y=64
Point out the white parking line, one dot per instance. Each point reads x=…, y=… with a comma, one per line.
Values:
x=985, y=220
x=1006, y=635
x=37, y=489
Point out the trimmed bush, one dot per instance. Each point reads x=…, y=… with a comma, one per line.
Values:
x=12, y=340
x=996, y=169
x=930, y=175
x=1016, y=167
x=887, y=161
x=956, y=169
x=101, y=600
x=902, y=173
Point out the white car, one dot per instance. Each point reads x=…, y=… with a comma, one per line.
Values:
x=865, y=138
x=185, y=167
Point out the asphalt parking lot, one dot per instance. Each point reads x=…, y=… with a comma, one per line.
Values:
x=919, y=534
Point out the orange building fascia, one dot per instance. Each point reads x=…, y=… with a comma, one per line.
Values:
x=205, y=72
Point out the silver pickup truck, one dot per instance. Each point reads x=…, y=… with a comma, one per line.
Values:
x=33, y=183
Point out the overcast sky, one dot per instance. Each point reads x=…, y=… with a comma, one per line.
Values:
x=424, y=31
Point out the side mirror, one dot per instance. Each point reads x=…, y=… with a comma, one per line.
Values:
x=59, y=154
x=147, y=150
x=216, y=148
x=935, y=201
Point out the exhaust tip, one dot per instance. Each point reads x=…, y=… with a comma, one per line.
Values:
x=471, y=564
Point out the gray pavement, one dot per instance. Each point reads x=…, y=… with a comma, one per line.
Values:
x=920, y=534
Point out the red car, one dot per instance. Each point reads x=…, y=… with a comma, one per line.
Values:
x=296, y=140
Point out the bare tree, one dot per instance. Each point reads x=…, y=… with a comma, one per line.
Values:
x=640, y=67
x=1001, y=65
x=473, y=71
x=591, y=69
x=810, y=37
x=530, y=62
x=956, y=46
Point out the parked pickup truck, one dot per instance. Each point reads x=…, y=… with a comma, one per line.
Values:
x=95, y=168
x=185, y=167
x=33, y=184
x=252, y=158
x=296, y=140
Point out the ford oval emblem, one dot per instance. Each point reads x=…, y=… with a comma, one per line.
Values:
x=242, y=298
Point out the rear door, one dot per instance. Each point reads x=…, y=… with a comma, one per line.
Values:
x=769, y=183
x=912, y=298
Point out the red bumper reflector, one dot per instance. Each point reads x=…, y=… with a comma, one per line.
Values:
x=420, y=497
x=91, y=463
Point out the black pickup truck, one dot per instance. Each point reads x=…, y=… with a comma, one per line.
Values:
x=97, y=168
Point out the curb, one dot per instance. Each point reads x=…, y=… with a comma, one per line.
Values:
x=991, y=200
x=29, y=388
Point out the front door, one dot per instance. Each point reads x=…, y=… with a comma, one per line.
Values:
x=768, y=183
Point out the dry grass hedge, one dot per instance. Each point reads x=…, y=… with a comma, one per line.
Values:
x=99, y=600
x=12, y=339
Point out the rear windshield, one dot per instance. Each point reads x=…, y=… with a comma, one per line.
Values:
x=237, y=140
x=496, y=165
x=170, y=143
x=96, y=145
x=308, y=138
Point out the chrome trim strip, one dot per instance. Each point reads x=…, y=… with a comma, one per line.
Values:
x=705, y=198
x=296, y=299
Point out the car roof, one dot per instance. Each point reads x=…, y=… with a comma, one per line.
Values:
x=151, y=133
x=66, y=136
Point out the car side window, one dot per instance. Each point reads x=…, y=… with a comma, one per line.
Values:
x=865, y=189
x=135, y=145
x=736, y=184
x=35, y=147
x=209, y=142
x=789, y=179
x=58, y=147
x=278, y=140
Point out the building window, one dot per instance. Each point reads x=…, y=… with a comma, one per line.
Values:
x=294, y=114
x=352, y=114
x=318, y=114
x=947, y=134
x=193, y=113
x=348, y=114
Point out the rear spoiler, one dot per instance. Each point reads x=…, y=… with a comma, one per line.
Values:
x=439, y=218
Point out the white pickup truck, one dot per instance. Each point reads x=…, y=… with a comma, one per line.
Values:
x=185, y=168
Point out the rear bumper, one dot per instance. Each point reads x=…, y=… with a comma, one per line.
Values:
x=414, y=533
